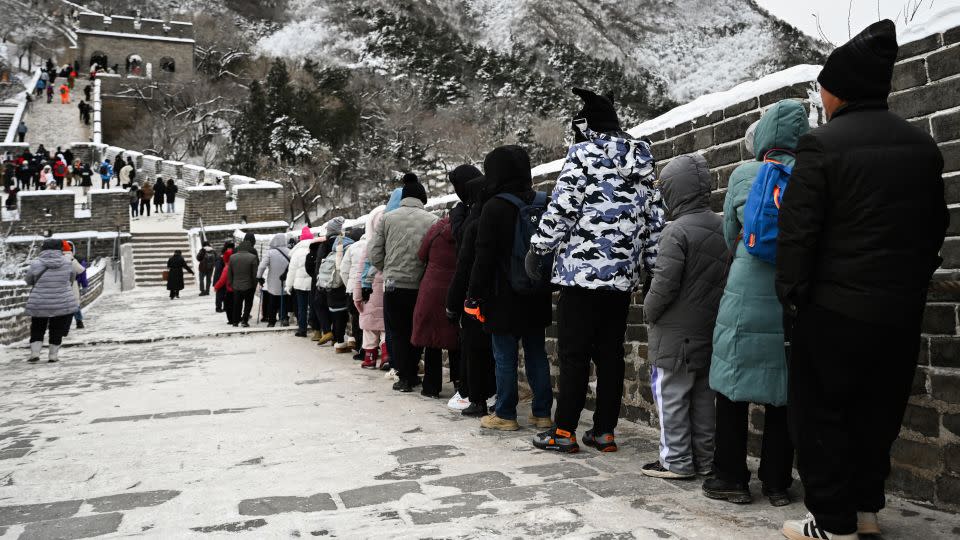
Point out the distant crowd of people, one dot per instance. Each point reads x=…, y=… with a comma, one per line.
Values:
x=45, y=170
x=806, y=296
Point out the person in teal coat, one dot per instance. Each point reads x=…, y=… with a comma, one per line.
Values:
x=749, y=359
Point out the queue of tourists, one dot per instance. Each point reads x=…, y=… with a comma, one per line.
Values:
x=805, y=296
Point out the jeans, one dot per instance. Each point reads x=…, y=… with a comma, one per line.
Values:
x=303, y=301
x=205, y=281
x=78, y=316
x=171, y=207
x=59, y=326
x=134, y=206
x=506, y=352
x=847, y=401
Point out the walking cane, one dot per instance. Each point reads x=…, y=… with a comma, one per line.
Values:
x=260, y=309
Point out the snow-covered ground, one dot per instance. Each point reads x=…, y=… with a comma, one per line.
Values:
x=156, y=424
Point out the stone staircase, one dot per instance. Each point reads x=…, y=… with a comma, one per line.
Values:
x=6, y=121
x=150, y=254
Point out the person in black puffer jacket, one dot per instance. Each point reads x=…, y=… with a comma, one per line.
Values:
x=861, y=226
x=477, y=355
x=510, y=317
x=460, y=177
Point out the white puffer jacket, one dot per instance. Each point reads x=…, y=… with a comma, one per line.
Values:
x=297, y=276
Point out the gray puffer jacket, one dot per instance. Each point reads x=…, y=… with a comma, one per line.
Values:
x=690, y=272
x=394, y=246
x=52, y=277
x=274, y=264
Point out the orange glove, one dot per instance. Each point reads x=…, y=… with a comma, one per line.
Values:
x=472, y=308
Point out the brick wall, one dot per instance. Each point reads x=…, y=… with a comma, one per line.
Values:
x=15, y=326
x=926, y=459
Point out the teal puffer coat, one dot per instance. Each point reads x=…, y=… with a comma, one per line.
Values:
x=748, y=361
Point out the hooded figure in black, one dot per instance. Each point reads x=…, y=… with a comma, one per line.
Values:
x=476, y=377
x=509, y=316
x=459, y=177
x=861, y=226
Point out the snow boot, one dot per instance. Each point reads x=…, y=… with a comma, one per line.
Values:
x=35, y=347
x=342, y=348
x=557, y=440
x=316, y=335
x=325, y=338
x=369, y=359
x=384, y=358
x=807, y=529
x=80, y=325
x=54, y=354
x=604, y=442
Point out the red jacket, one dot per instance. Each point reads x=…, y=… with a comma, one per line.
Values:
x=430, y=325
x=223, y=282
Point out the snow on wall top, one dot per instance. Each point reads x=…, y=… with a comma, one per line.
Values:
x=929, y=22
x=259, y=184
x=707, y=104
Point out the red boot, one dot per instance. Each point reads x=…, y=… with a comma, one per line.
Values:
x=384, y=358
x=369, y=359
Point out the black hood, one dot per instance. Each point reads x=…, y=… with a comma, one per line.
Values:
x=507, y=170
x=459, y=178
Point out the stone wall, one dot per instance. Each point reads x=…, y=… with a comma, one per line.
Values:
x=56, y=211
x=15, y=326
x=926, y=459
x=256, y=201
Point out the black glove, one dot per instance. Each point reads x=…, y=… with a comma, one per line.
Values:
x=365, y=294
x=453, y=317
x=532, y=264
x=261, y=281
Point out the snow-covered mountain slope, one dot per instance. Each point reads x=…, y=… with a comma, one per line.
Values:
x=696, y=46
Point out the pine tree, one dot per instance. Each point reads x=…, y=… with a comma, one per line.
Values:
x=279, y=100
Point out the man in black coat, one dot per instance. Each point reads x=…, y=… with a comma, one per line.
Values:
x=509, y=316
x=861, y=226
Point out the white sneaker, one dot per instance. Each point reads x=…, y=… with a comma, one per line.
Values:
x=807, y=529
x=492, y=402
x=867, y=523
x=392, y=374
x=458, y=403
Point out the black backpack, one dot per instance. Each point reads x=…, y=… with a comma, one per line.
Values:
x=528, y=221
x=209, y=261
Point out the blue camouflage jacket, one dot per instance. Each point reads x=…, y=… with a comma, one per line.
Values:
x=605, y=216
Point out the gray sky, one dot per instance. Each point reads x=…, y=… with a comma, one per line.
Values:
x=833, y=14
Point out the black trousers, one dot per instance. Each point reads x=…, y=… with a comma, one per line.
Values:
x=338, y=323
x=272, y=308
x=398, y=306
x=243, y=305
x=849, y=386
x=477, y=355
x=591, y=326
x=145, y=207
x=228, y=301
x=319, y=314
x=219, y=298
x=432, y=371
x=355, y=330
x=730, y=450
x=59, y=326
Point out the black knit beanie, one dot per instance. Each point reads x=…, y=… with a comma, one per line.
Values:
x=598, y=111
x=52, y=243
x=413, y=188
x=862, y=67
